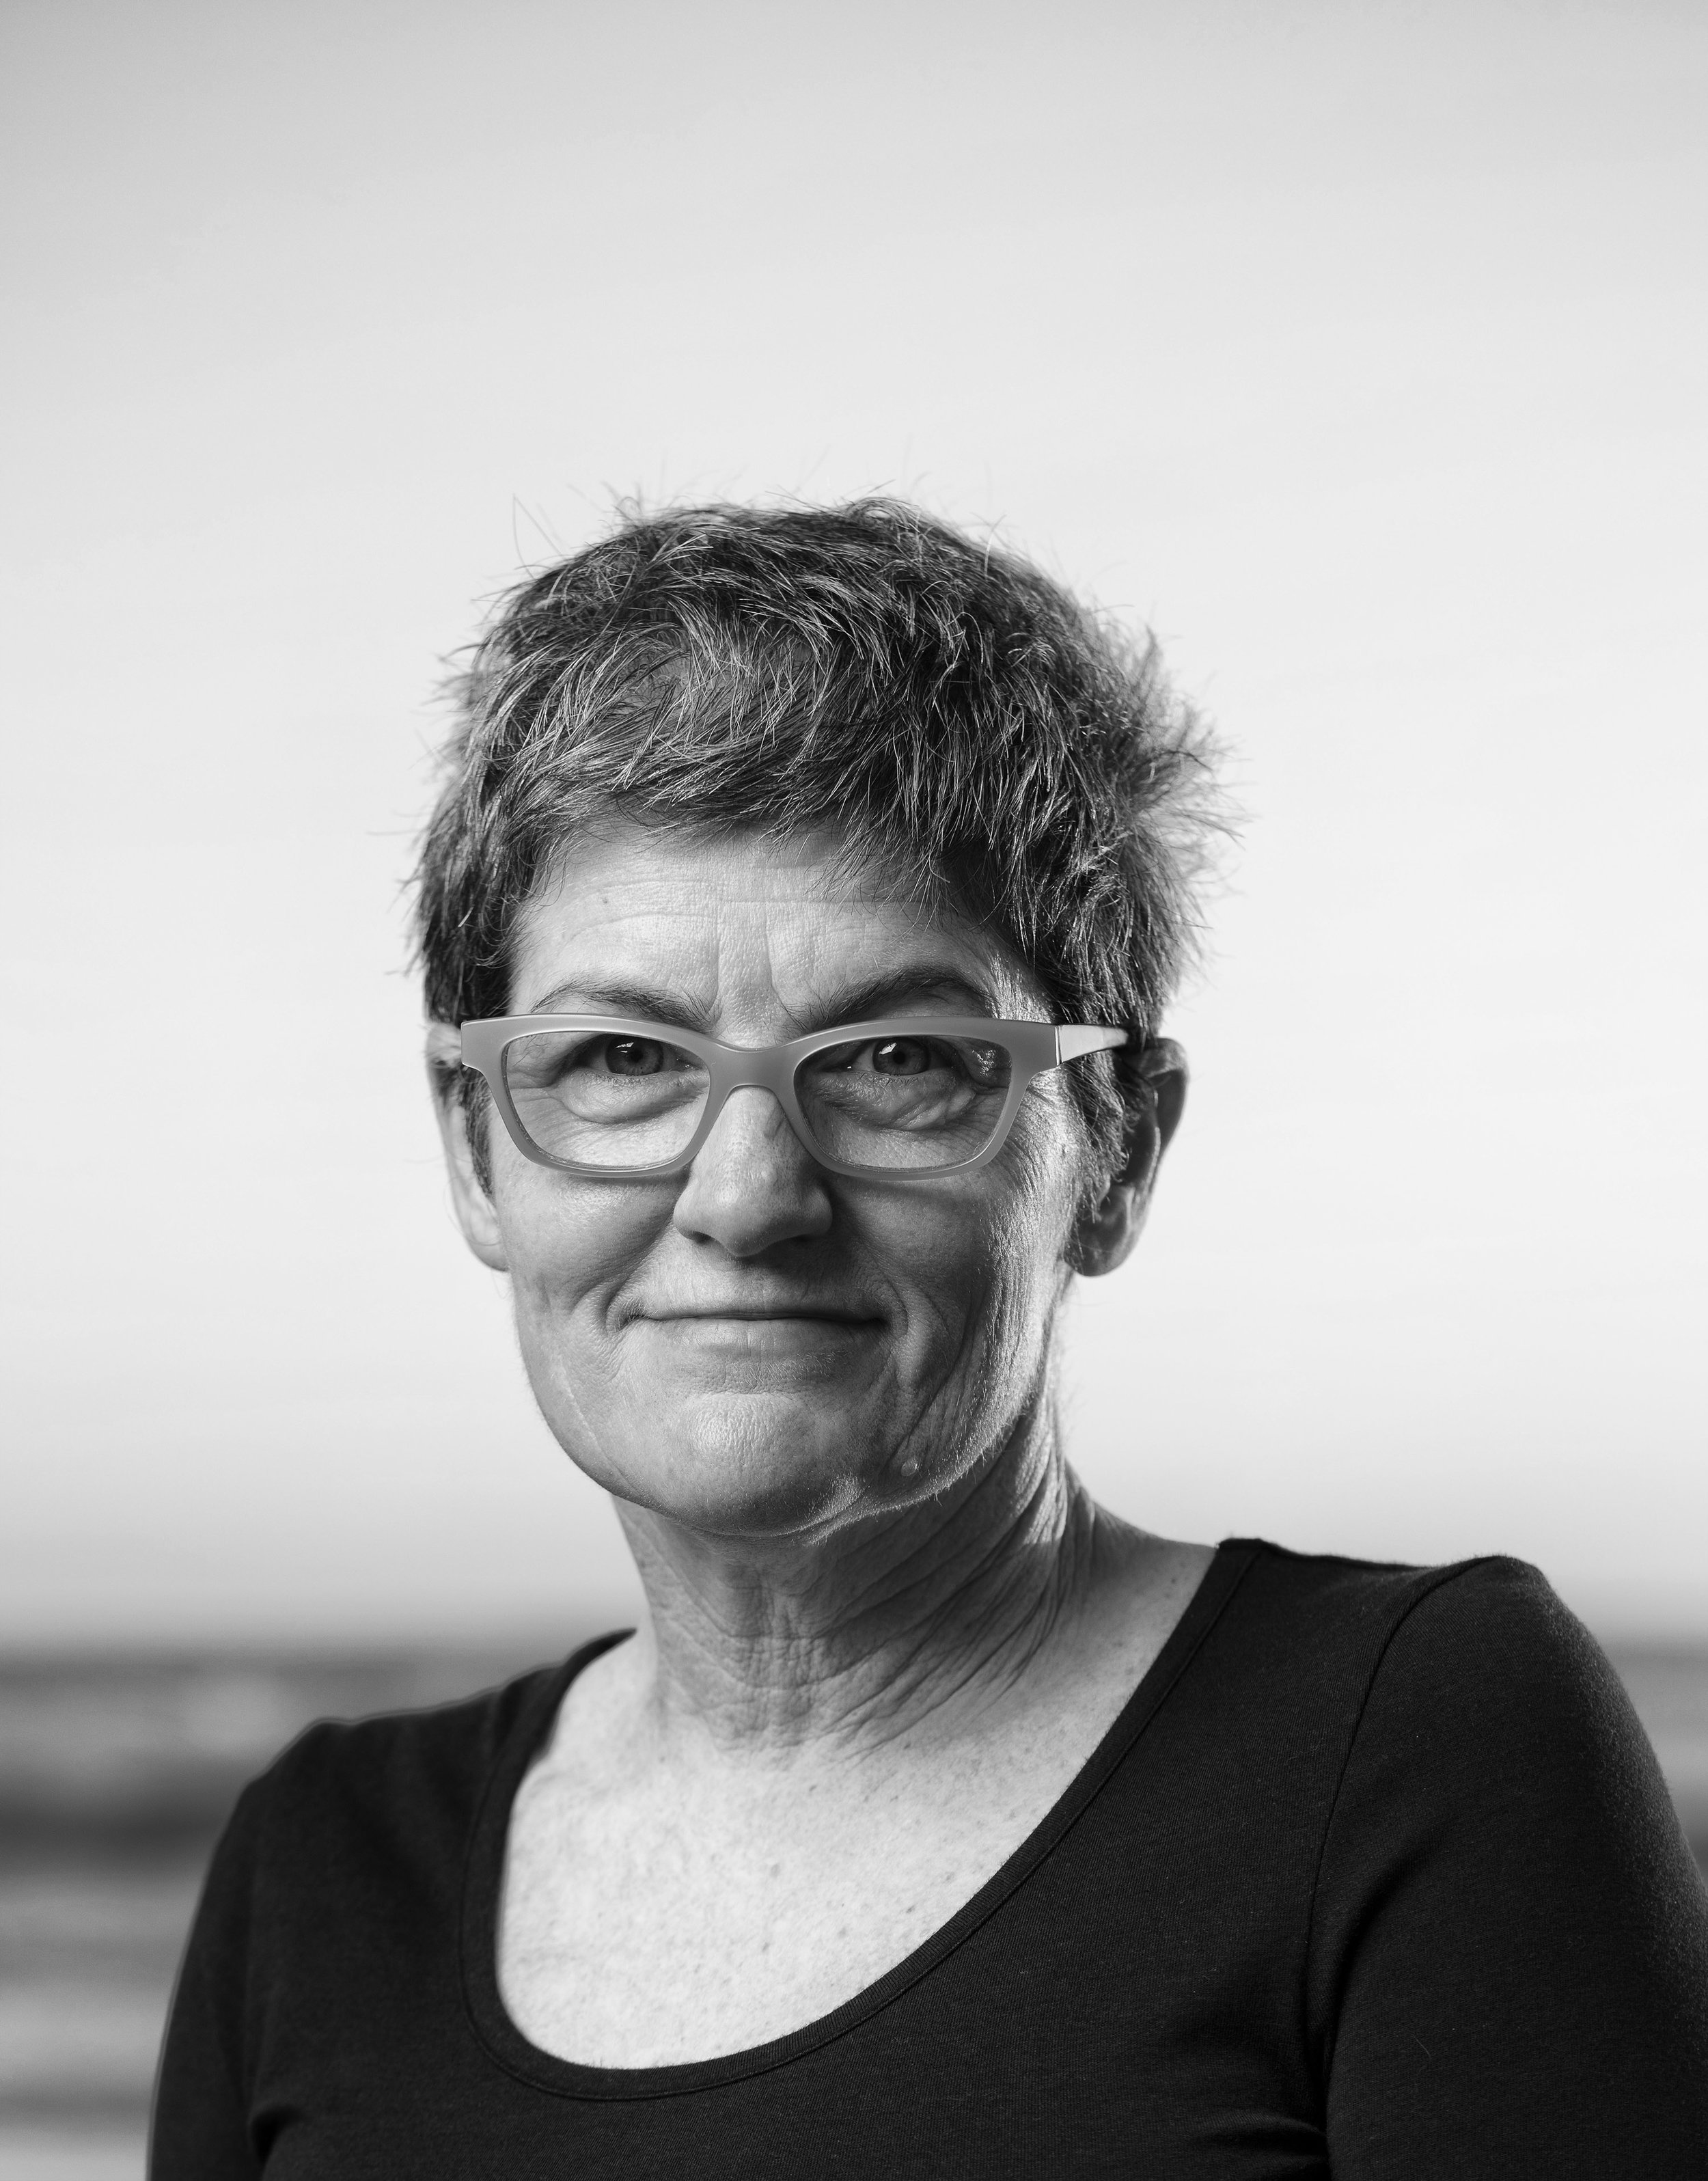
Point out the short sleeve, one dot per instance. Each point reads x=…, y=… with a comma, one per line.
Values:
x=200, y=2127
x=1508, y=1970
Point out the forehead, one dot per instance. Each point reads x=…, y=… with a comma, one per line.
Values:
x=730, y=927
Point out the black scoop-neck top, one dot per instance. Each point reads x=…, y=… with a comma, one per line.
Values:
x=1374, y=1876
x=486, y=1871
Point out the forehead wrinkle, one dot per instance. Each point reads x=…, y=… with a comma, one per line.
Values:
x=941, y=987
x=851, y=964
x=619, y=980
x=938, y=953
x=811, y=997
x=729, y=940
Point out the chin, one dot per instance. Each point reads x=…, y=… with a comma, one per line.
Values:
x=756, y=1466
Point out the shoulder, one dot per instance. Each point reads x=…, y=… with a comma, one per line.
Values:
x=1491, y=1704
x=1499, y=1869
x=1461, y=1653
x=1492, y=1639
x=349, y=1836
x=1358, y=1600
x=1488, y=1753
x=399, y=1792
x=1424, y=1692
x=437, y=1751
x=1492, y=1624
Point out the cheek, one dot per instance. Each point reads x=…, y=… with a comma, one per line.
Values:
x=1045, y=1163
x=1031, y=1246
x=568, y=1241
x=986, y=1267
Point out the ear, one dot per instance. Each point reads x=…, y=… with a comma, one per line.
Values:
x=475, y=1211
x=1105, y=1233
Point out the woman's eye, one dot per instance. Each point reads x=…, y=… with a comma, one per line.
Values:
x=900, y=1055
x=633, y=1056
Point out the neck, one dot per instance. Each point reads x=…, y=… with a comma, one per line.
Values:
x=915, y=1619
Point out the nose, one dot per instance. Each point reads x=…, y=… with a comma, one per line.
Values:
x=753, y=1183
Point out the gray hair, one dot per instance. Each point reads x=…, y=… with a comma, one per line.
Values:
x=948, y=710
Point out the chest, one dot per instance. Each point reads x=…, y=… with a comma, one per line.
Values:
x=672, y=1924
x=1125, y=1999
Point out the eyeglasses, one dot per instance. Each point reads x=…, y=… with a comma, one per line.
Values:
x=909, y=1098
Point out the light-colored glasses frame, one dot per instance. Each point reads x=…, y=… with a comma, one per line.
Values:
x=1035, y=1048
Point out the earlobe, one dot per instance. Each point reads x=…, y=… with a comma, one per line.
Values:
x=476, y=1215
x=1105, y=1233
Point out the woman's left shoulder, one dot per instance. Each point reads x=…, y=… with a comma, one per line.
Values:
x=1484, y=1657
x=1490, y=1631
x=1495, y=1754
x=1503, y=1885
x=1454, y=1697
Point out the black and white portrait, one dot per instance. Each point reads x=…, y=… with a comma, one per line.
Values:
x=855, y=952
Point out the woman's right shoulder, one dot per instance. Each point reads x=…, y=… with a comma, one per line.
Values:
x=404, y=1785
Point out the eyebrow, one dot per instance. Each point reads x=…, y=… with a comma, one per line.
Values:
x=850, y=1003
x=883, y=996
x=608, y=995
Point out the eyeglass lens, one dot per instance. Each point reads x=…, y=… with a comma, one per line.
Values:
x=616, y=1103
x=904, y=1101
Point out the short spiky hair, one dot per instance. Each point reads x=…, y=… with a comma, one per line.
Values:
x=948, y=709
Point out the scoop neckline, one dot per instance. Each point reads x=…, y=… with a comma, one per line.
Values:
x=483, y=1868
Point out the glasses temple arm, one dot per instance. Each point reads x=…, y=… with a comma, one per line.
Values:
x=1073, y=1039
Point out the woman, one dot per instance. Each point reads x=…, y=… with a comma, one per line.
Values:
x=797, y=920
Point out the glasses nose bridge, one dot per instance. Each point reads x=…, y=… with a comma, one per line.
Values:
x=755, y=1067
x=769, y=1067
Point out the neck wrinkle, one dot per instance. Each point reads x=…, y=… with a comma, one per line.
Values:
x=912, y=1623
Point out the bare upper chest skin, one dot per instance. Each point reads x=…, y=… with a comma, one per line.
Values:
x=669, y=1908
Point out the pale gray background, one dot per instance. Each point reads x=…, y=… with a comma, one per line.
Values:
x=1358, y=348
